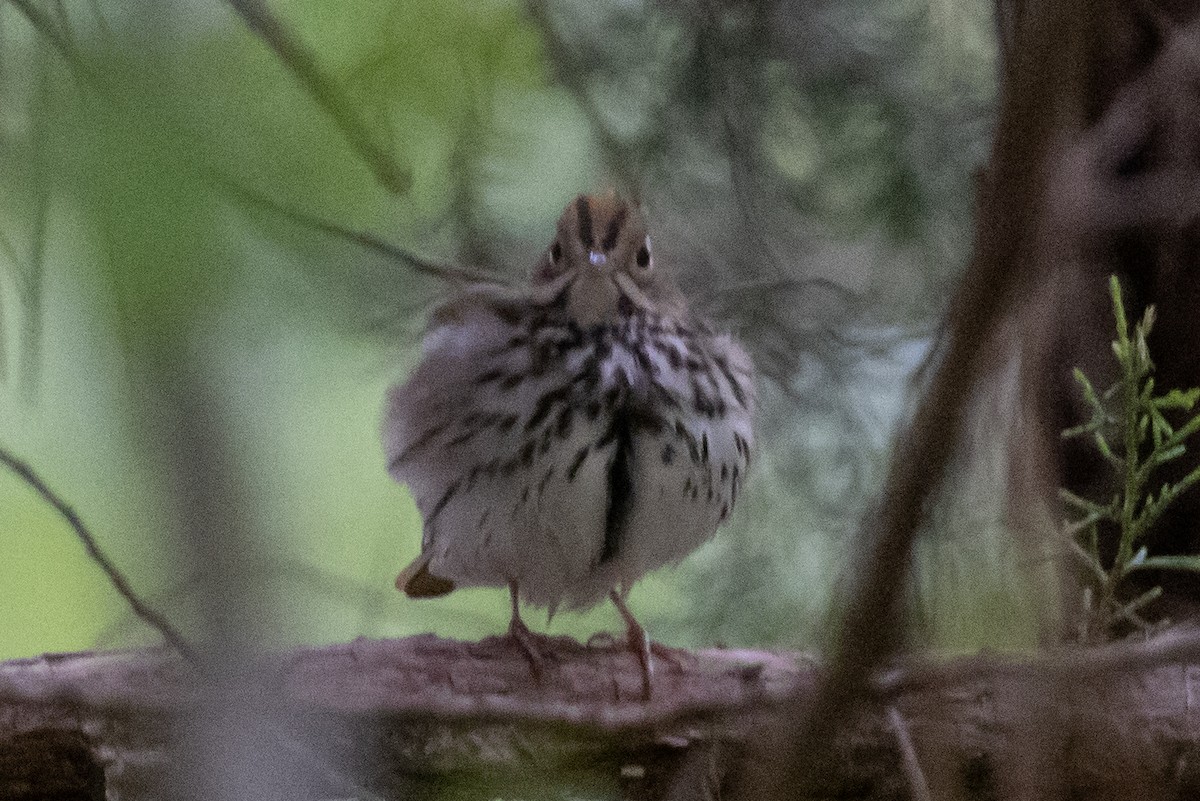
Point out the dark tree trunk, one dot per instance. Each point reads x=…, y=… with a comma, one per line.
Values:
x=1123, y=201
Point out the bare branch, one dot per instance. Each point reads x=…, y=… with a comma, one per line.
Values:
x=100, y=19
x=420, y=264
x=42, y=23
x=571, y=70
x=917, y=784
x=115, y=577
x=304, y=65
x=32, y=313
x=1180, y=645
x=446, y=272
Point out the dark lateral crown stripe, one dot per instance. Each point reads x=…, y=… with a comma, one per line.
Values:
x=585, y=221
x=614, y=229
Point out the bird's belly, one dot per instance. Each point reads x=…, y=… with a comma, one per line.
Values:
x=593, y=510
x=580, y=476
x=590, y=533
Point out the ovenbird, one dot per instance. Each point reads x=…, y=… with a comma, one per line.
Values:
x=565, y=438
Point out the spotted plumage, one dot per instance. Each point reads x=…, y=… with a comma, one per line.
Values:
x=565, y=439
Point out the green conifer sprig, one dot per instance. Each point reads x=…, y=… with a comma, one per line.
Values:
x=1130, y=429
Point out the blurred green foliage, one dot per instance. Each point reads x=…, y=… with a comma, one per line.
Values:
x=807, y=165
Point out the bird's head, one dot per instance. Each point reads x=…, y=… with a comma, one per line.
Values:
x=601, y=256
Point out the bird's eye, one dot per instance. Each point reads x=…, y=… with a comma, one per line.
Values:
x=643, y=255
x=555, y=252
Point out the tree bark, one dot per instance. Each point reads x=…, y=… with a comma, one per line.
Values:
x=429, y=718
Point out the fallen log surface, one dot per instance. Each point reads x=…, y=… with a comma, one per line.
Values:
x=424, y=717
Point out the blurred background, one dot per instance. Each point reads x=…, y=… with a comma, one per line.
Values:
x=196, y=337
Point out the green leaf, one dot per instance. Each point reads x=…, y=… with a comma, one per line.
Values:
x=1144, y=365
x=1090, y=562
x=1178, y=399
x=1167, y=454
x=1090, y=519
x=1186, y=482
x=1070, y=433
x=1160, y=431
x=1114, y=290
x=1106, y=451
x=1162, y=426
x=1129, y=610
x=1089, y=392
x=1084, y=504
x=1148, y=319
x=1189, y=428
x=1187, y=563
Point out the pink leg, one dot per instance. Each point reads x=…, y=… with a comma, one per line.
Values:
x=639, y=641
x=523, y=636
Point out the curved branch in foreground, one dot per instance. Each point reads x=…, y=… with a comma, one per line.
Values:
x=44, y=25
x=364, y=239
x=97, y=555
x=298, y=58
x=1045, y=67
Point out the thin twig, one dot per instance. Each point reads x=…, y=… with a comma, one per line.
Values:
x=1176, y=646
x=9, y=250
x=766, y=287
x=739, y=124
x=42, y=23
x=115, y=577
x=101, y=20
x=1004, y=17
x=572, y=71
x=918, y=785
x=420, y=264
x=64, y=21
x=33, y=314
x=303, y=63
x=14, y=271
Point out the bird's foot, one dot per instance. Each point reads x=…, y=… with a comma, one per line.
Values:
x=638, y=641
x=677, y=658
x=526, y=640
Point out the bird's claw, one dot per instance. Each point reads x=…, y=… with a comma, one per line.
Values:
x=526, y=641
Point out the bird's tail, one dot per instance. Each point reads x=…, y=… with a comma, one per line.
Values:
x=416, y=581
